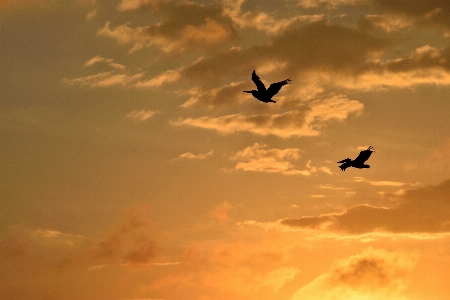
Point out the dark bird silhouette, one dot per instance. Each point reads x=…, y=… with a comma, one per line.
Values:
x=263, y=94
x=358, y=162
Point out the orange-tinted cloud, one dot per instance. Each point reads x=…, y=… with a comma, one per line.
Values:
x=141, y=115
x=421, y=210
x=425, y=12
x=190, y=155
x=262, y=21
x=375, y=274
x=130, y=243
x=220, y=96
x=185, y=26
x=306, y=121
x=221, y=212
x=258, y=158
x=338, y=49
x=330, y=3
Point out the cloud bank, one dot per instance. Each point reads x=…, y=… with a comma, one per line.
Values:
x=421, y=210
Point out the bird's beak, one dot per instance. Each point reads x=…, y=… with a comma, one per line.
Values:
x=247, y=92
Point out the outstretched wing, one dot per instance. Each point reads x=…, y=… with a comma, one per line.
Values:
x=259, y=85
x=363, y=156
x=275, y=87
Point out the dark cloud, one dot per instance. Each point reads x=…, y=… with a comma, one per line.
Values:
x=425, y=209
x=184, y=26
x=317, y=46
x=129, y=243
x=424, y=11
x=425, y=57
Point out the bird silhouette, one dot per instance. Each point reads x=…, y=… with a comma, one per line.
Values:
x=263, y=94
x=358, y=162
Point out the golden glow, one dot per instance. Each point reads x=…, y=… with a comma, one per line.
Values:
x=133, y=166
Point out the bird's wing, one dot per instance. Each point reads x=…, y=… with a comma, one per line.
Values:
x=363, y=156
x=259, y=85
x=275, y=87
x=344, y=161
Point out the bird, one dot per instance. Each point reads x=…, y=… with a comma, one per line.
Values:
x=263, y=94
x=358, y=162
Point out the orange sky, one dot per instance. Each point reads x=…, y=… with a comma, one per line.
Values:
x=135, y=168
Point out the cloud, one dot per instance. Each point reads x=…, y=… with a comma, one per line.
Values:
x=237, y=269
x=104, y=79
x=387, y=22
x=121, y=78
x=380, y=182
x=257, y=158
x=425, y=12
x=46, y=248
x=421, y=210
x=185, y=26
x=126, y=5
x=221, y=212
x=331, y=61
x=339, y=50
x=424, y=65
x=129, y=243
x=190, y=155
x=141, y=115
x=220, y=96
x=330, y=3
x=375, y=274
x=306, y=121
x=165, y=77
x=109, y=61
x=261, y=21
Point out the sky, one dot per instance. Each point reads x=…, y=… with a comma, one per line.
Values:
x=133, y=167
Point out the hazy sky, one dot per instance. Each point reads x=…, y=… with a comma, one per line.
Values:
x=133, y=167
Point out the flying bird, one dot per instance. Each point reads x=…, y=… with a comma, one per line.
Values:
x=358, y=162
x=263, y=94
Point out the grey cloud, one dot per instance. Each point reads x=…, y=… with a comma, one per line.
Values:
x=425, y=209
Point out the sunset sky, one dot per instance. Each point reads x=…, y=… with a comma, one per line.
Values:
x=133, y=167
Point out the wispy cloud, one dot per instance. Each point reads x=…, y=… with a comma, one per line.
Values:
x=330, y=3
x=387, y=22
x=260, y=20
x=165, y=77
x=220, y=96
x=104, y=79
x=108, y=61
x=142, y=115
x=190, y=155
x=306, y=121
x=380, y=182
